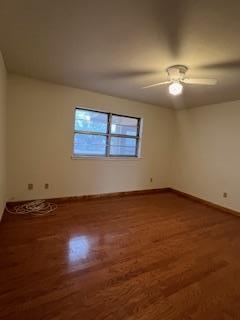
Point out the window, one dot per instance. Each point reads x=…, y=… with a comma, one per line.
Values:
x=105, y=134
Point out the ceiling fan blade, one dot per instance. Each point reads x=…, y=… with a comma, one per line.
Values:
x=156, y=84
x=171, y=15
x=130, y=74
x=232, y=64
x=126, y=74
x=207, y=82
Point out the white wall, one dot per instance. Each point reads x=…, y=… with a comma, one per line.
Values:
x=206, y=162
x=2, y=135
x=40, y=122
x=203, y=160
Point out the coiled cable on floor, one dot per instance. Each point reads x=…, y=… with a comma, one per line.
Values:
x=35, y=208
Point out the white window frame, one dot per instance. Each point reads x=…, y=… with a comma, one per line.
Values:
x=108, y=136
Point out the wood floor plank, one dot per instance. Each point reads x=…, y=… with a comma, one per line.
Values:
x=154, y=256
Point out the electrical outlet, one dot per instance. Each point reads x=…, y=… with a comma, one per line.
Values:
x=30, y=186
x=151, y=180
x=46, y=186
x=225, y=195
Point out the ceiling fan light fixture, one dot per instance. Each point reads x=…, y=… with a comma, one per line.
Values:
x=175, y=88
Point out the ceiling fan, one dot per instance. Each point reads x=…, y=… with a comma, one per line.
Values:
x=177, y=79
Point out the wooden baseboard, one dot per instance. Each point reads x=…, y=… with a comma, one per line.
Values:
x=134, y=193
x=99, y=196
x=205, y=202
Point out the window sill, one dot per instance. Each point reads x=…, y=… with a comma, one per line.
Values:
x=107, y=158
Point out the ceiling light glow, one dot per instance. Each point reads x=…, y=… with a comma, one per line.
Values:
x=175, y=88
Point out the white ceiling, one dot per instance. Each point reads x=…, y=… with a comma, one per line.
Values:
x=115, y=47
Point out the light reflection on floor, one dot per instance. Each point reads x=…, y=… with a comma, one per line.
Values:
x=78, y=248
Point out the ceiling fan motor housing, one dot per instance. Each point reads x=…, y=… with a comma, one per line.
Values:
x=177, y=72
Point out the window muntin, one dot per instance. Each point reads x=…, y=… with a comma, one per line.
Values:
x=101, y=134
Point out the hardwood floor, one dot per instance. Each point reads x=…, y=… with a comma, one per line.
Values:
x=143, y=257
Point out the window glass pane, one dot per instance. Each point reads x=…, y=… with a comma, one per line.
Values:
x=124, y=125
x=123, y=146
x=86, y=120
x=89, y=144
